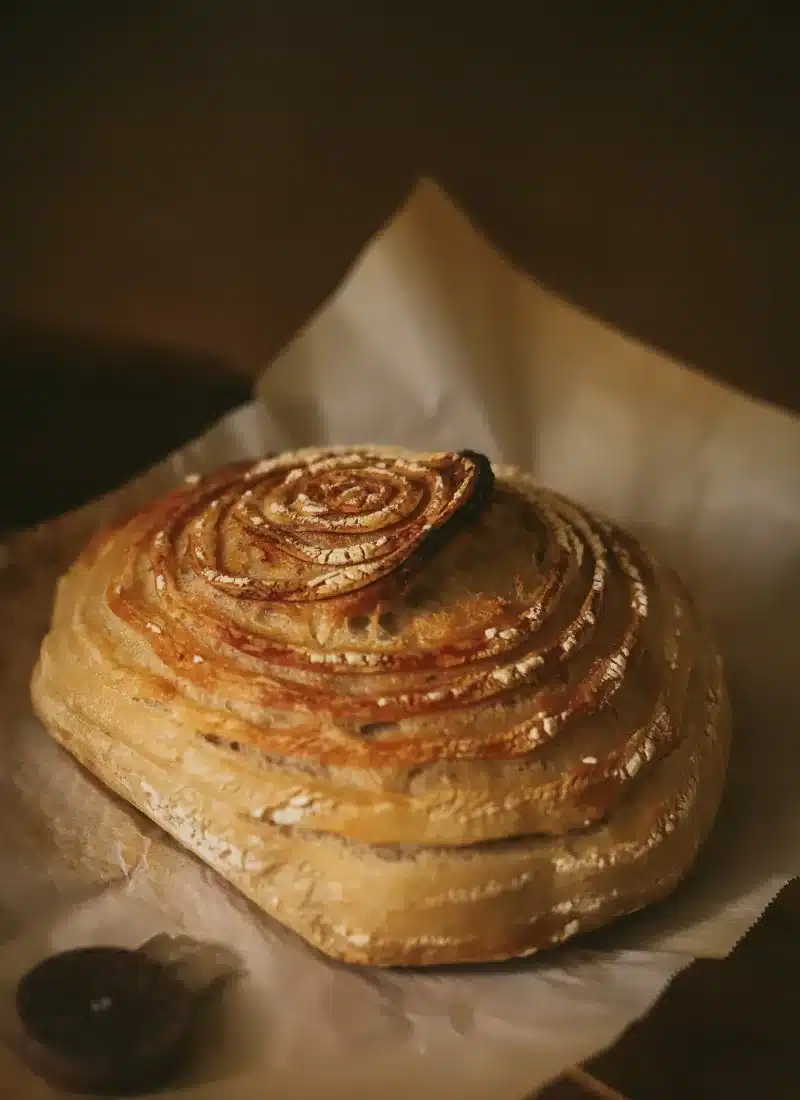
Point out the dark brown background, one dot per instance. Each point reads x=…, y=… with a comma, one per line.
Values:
x=182, y=183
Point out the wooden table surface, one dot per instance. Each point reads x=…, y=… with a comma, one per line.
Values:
x=723, y=1030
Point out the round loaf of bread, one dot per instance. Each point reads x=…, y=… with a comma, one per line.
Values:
x=418, y=710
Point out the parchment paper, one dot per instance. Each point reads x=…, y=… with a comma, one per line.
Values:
x=436, y=341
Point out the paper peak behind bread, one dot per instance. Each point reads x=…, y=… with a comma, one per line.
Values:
x=417, y=710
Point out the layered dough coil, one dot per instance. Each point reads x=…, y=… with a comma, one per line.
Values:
x=418, y=710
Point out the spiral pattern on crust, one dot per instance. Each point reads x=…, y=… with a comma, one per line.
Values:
x=342, y=521
x=344, y=532
x=336, y=527
x=446, y=686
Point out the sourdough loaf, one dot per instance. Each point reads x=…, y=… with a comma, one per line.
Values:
x=418, y=710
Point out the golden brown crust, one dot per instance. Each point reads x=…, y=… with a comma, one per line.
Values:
x=369, y=672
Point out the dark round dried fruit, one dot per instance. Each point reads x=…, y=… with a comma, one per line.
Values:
x=103, y=1019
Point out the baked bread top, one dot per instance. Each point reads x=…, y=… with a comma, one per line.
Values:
x=403, y=654
x=478, y=652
